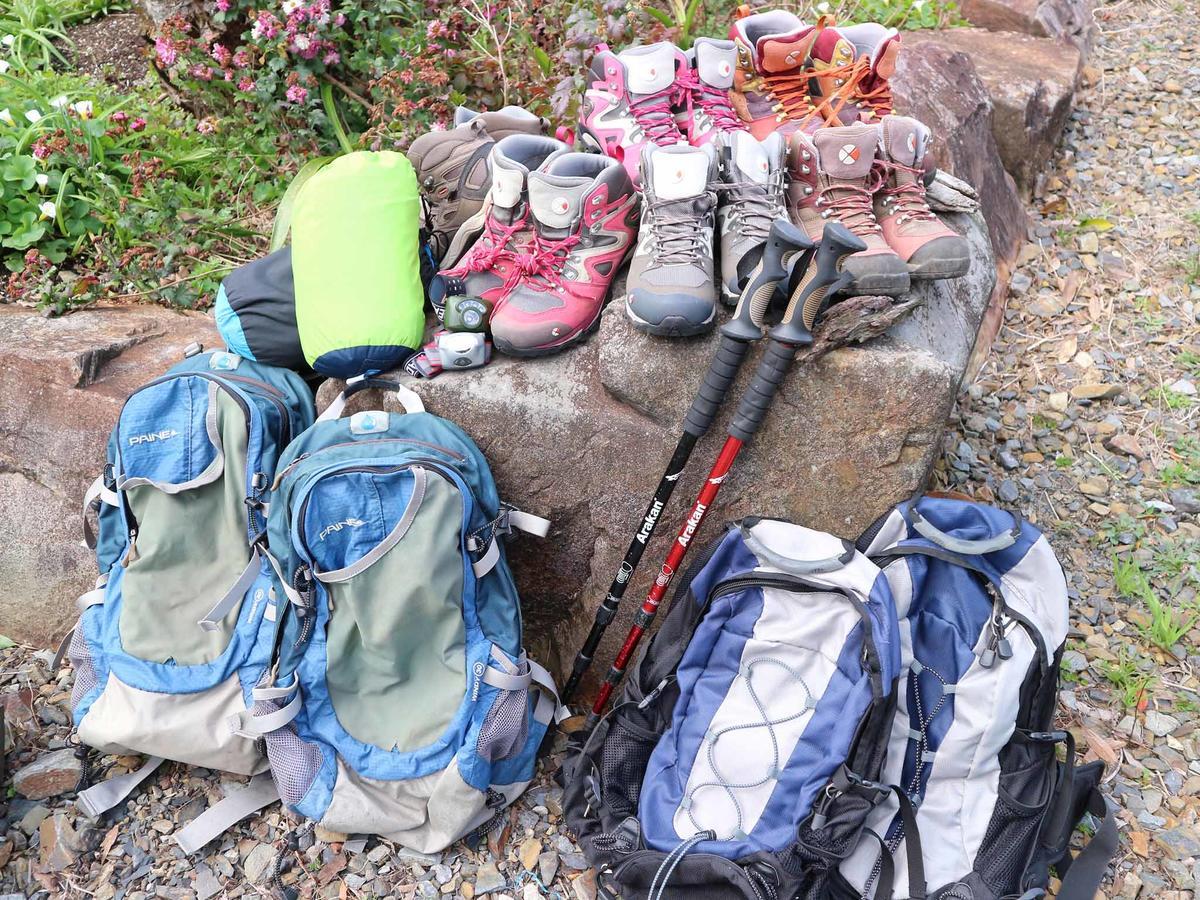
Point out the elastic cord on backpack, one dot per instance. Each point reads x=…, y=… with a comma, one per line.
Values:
x=671, y=861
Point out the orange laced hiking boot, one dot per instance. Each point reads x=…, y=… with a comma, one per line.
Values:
x=929, y=247
x=877, y=48
x=833, y=178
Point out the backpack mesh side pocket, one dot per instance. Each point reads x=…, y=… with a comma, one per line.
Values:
x=1012, y=834
x=623, y=761
x=294, y=762
x=80, y=655
x=506, y=726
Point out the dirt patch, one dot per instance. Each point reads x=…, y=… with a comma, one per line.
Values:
x=113, y=48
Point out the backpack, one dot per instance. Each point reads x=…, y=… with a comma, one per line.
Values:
x=177, y=630
x=399, y=701
x=741, y=758
x=982, y=607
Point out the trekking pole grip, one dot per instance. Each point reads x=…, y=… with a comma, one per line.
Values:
x=772, y=369
x=717, y=381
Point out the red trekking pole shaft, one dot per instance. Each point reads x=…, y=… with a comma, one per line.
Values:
x=816, y=277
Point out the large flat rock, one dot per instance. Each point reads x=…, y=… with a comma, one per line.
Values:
x=1031, y=82
x=63, y=382
x=583, y=437
x=1065, y=20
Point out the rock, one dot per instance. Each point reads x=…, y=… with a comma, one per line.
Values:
x=584, y=886
x=1181, y=842
x=1031, y=82
x=530, y=891
x=61, y=843
x=1096, y=391
x=1185, y=500
x=258, y=863
x=1067, y=20
x=1125, y=443
x=548, y=867
x=63, y=381
x=49, y=775
x=528, y=853
x=1088, y=242
x=489, y=879
x=206, y=883
x=1185, y=387
x=1160, y=724
x=31, y=820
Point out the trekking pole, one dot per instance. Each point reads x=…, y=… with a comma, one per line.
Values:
x=815, y=277
x=783, y=243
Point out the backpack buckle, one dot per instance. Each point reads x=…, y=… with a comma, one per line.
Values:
x=1048, y=737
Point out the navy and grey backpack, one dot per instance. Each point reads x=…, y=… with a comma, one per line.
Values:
x=177, y=630
x=982, y=609
x=743, y=755
x=400, y=700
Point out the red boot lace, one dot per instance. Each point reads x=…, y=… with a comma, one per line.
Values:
x=543, y=261
x=791, y=90
x=904, y=197
x=713, y=101
x=494, y=244
x=653, y=115
x=879, y=98
x=851, y=204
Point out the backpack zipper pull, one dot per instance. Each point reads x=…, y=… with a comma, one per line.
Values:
x=821, y=812
x=131, y=553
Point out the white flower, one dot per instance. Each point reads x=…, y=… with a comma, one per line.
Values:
x=48, y=209
x=822, y=7
x=83, y=109
x=301, y=42
x=8, y=40
x=42, y=179
x=33, y=115
x=4, y=66
x=60, y=101
x=290, y=6
x=918, y=5
x=7, y=117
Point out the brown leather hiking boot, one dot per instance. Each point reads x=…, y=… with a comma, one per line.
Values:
x=833, y=178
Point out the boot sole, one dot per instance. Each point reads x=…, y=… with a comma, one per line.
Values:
x=940, y=268
x=671, y=326
x=884, y=284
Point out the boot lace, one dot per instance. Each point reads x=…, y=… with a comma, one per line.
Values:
x=653, y=115
x=494, y=245
x=755, y=205
x=791, y=91
x=712, y=101
x=904, y=197
x=850, y=204
x=879, y=97
x=677, y=239
x=544, y=262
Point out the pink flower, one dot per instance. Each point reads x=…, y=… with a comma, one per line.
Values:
x=40, y=150
x=201, y=71
x=206, y=126
x=241, y=59
x=119, y=116
x=297, y=94
x=165, y=50
x=223, y=5
x=138, y=124
x=407, y=76
x=266, y=26
x=246, y=84
x=339, y=20
x=332, y=58
x=221, y=54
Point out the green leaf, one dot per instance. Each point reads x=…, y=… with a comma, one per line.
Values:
x=1097, y=224
x=542, y=58
x=26, y=237
x=22, y=169
x=6, y=642
x=663, y=17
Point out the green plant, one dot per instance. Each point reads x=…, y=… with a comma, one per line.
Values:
x=1167, y=625
x=1169, y=399
x=1063, y=462
x=1127, y=678
x=1188, y=360
x=903, y=14
x=1184, y=468
x=1115, y=531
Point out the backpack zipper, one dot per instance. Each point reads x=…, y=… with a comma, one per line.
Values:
x=287, y=470
x=276, y=397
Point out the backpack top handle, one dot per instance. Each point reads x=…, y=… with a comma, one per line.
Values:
x=963, y=546
x=407, y=397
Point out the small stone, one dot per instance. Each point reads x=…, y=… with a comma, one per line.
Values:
x=1019, y=283
x=584, y=886
x=378, y=854
x=530, y=891
x=1140, y=842
x=1089, y=242
x=1185, y=387
x=574, y=860
x=61, y=843
x=49, y=775
x=32, y=819
x=1096, y=391
x=489, y=879
x=1181, y=842
x=1125, y=443
x=1185, y=501
x=258, y=863
x=548, y=866
x=206, y=883
x=1059, y=401
x=1008, y=492
x=1171, y=86
x=163, y=826
x=1160, y=724
x=330, y=837
x=442, y=873
x=1094, y=486
x=528, y=853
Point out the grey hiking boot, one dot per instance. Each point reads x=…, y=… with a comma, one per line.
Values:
x=752, y=197
x=670, y=285
x=452, y=169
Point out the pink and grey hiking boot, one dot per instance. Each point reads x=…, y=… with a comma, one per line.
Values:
x=705, y=81
x=910, y=227
x=490, y=266
x=833, y=178
x=877, y=48
x=585, y=215
x=629, y=102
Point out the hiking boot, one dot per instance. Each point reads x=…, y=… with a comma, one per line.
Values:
x=670, y=286
x=910, y=227
x=877, y=48
x=705, y=82
x=628, y=105
x=752, y=196
x=452, y=168
x=585, y=214
x=491, y=265
x=832, y=179
x=790, y=75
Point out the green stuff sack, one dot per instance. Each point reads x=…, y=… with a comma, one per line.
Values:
x=356, y=265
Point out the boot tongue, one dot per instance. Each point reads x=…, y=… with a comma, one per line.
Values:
x=715, y=61
x=556, y=201
x=676, y=175
x=904, y=140
x=507, y=181
x=650, y=70
x=751, y=158
x=785, y=52
x=847, y=153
